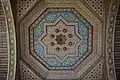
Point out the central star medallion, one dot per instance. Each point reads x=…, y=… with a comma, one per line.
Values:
x=60, y=39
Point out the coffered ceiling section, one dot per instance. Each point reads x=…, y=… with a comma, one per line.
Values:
x=61, y=39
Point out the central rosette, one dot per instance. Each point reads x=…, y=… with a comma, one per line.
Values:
x=61, y=39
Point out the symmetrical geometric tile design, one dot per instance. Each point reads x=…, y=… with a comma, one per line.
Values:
x=61, y=35
x=97, y=6
x=56, y=40
x=62, y=38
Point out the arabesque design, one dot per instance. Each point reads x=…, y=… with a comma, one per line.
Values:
x=62, y=38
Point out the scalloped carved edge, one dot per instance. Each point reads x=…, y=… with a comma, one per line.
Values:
x=110, y=41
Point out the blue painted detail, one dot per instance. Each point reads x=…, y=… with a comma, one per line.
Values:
x=83, y=30
x=39, y=49
x=69, y=61
x=83, y=49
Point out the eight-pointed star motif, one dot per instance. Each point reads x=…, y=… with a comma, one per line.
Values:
x=60, y=39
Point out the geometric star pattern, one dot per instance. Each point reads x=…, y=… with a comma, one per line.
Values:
x=62, y=39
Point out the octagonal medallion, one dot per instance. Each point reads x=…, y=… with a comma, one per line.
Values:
x=62, y=39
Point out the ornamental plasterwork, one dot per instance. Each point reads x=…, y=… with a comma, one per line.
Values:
x=94, y=27
x=11, y=38
x=24, y=6
x=97, y=7
x=58, y=36
x=110, y=41
x=64, y=39
x=61, y=39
